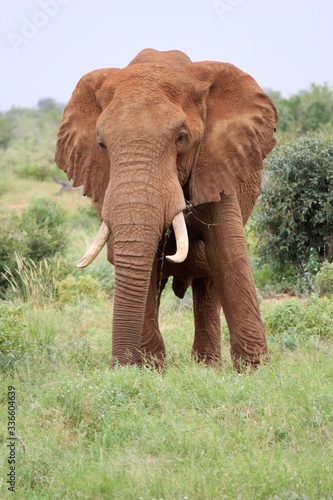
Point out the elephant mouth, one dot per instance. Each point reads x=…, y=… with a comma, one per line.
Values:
x=181, y=236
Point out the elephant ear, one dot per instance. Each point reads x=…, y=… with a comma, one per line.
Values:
x=239, y=126
x=77, y=152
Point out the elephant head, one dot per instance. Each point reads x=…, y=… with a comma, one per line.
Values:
x=145, y=139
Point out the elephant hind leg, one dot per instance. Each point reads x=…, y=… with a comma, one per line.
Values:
x=207, y=320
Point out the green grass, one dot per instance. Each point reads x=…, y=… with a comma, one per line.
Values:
x=23, y=191
x=190, y=432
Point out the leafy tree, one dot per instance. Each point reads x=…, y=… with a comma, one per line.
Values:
x=313, y=108
x=309, y=110
x=295, y=214
x=286, y=116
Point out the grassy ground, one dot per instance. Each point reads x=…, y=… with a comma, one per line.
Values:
x=188, y=433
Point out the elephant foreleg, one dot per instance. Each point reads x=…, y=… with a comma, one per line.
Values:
x=229, y=262
x=152, y=345
x=207, y=321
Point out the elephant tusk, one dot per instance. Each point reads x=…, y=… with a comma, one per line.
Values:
x=181, y=236
x=95, y=247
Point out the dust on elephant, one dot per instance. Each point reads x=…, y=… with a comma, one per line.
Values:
x=157, y=140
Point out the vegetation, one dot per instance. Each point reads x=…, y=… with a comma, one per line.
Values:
x=309, y=111
x=324, y=279
x=27, y=142
x=190, y=431
x=37, y=234
x=295, y=216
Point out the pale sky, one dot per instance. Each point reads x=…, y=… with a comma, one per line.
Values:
x=47, y=45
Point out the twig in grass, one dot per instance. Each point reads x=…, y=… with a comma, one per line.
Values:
x=22, y=442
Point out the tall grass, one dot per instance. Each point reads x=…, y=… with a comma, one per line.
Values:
x=31, y=282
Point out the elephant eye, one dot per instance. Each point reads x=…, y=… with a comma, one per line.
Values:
x=182, y=138
x=101, y=145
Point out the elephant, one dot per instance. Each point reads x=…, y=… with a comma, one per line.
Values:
x=171, y=153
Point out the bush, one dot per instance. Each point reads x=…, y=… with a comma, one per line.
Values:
x=295, y=215
x=284, y=317
x=290, y=321
x=271, y=279
x=103, y=273
x=38, y=234
x=324, y=279
x=72, y=290
x=42, y=225
x=34, y=171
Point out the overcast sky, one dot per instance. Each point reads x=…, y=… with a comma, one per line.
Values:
x=47, y=45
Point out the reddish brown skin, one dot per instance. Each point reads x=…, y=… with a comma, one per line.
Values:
x=171, y=131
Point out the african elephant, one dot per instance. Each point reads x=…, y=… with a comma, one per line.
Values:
x=163, y=138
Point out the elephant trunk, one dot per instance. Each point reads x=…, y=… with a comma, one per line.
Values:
x=140, y=202
x=136, y=231
x=133, y=259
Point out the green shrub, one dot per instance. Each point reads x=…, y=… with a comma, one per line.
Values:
x=71, y=290
x=33, y=171
x=271, y=279
x=86, y=218
x=284, y=318
x=295, y=215
x=103, y=273
x=39, y=233
x=43, y=226
x=324, y=279
x=290, y=321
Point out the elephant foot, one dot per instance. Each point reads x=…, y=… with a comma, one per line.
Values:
x=124, y=361
x=245, y=363
x=152, y=348
x=206, y=357
x=154, y=359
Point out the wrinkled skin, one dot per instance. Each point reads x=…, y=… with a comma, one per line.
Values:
x=162, y=136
